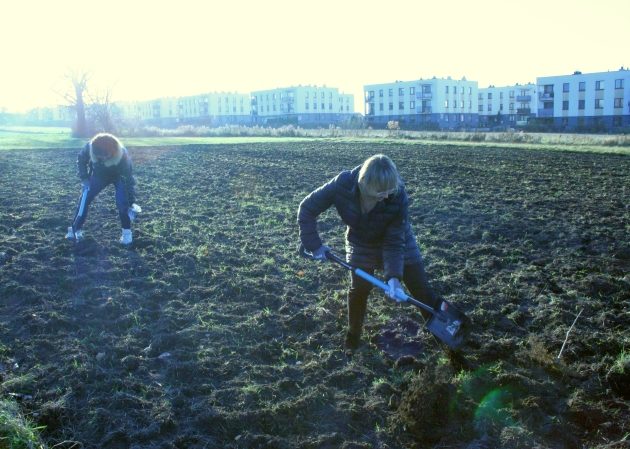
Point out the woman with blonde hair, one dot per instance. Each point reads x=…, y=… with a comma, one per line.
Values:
x=372, y=202
x=101, y=162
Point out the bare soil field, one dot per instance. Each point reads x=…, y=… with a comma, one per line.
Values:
x=211, y=331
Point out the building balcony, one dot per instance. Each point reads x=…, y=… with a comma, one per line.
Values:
x=545, y=113
x=423, y=110
x=423, y=96
x=523, y=111
x=526, y=98
x=545, y=95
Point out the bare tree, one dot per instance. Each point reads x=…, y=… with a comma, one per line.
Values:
x=93, y=110
x=75, y=99
x=100, y=111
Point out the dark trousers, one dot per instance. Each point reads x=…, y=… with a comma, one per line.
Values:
x=415, y=280
x=96, y=185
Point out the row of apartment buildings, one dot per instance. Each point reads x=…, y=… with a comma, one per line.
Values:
x=592, y=101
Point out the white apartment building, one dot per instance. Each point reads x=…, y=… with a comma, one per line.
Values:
x=59, y=115
x=135, y=110
x=301, y=105
x=210, y=109
x=508, y=105
x=585, y=101
x=423, y=104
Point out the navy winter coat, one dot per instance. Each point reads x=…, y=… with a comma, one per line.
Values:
x=119, y=166
x=381, y=238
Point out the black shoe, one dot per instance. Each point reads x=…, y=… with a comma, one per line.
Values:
x=352, y=341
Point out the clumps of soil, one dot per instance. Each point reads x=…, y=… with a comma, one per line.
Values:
x=427, y=406
x=211, y=332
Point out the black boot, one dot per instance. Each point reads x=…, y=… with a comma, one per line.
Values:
x=352, y=341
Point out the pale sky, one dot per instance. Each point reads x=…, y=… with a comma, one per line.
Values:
x=141, y=49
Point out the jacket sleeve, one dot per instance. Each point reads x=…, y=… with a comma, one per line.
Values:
x=126, y=173
x=310, y=208
x=83, y=163
x=394, y=241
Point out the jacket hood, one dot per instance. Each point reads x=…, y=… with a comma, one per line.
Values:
x=114, y=160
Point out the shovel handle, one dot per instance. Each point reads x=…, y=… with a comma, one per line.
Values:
x=402, y=297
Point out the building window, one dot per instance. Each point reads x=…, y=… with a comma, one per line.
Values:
x=401, y=91
x=581, y=104
x=461, y=117
x=489, y=95
x=470, y=91
x=323, y=107
x=412, y=91
x=380, y=93
x=565, y=105
x=391, y=92
x=401, y=105
x=391, y=106
x=480, y=96
x=511, y=94
x=619, y=84
x=619, y=102
x=599, y=85
x=380, y=107
x=306, y=106
x=315, y=106
x=446, y=90
x=617, y=121
x=501, y=107
x=426, y=88
x=599, y=104
x=461, y=104
x=330, y=106
x=565, y=87
x=511, y=106
x=582, y=86
x=489, y=107
x=480, y=108
x=446, y=104
x=412, y=105
x=500, y=95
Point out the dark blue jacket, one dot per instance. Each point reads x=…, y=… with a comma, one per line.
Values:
x=381, y=237
x=119, y=167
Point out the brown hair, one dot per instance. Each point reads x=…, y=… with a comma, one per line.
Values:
x=105, y=145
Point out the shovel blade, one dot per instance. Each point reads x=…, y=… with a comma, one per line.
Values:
x=450, y=325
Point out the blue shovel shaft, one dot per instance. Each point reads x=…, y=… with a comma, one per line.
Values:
x=84, y=196
x=400, y=295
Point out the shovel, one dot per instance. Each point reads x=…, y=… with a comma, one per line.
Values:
x=448, y=324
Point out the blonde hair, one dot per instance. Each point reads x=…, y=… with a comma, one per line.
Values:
x=105, y=145
x=379, y=174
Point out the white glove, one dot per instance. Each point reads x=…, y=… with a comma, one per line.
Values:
x=395, y=290
x=133, y=211
x=320, y=253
